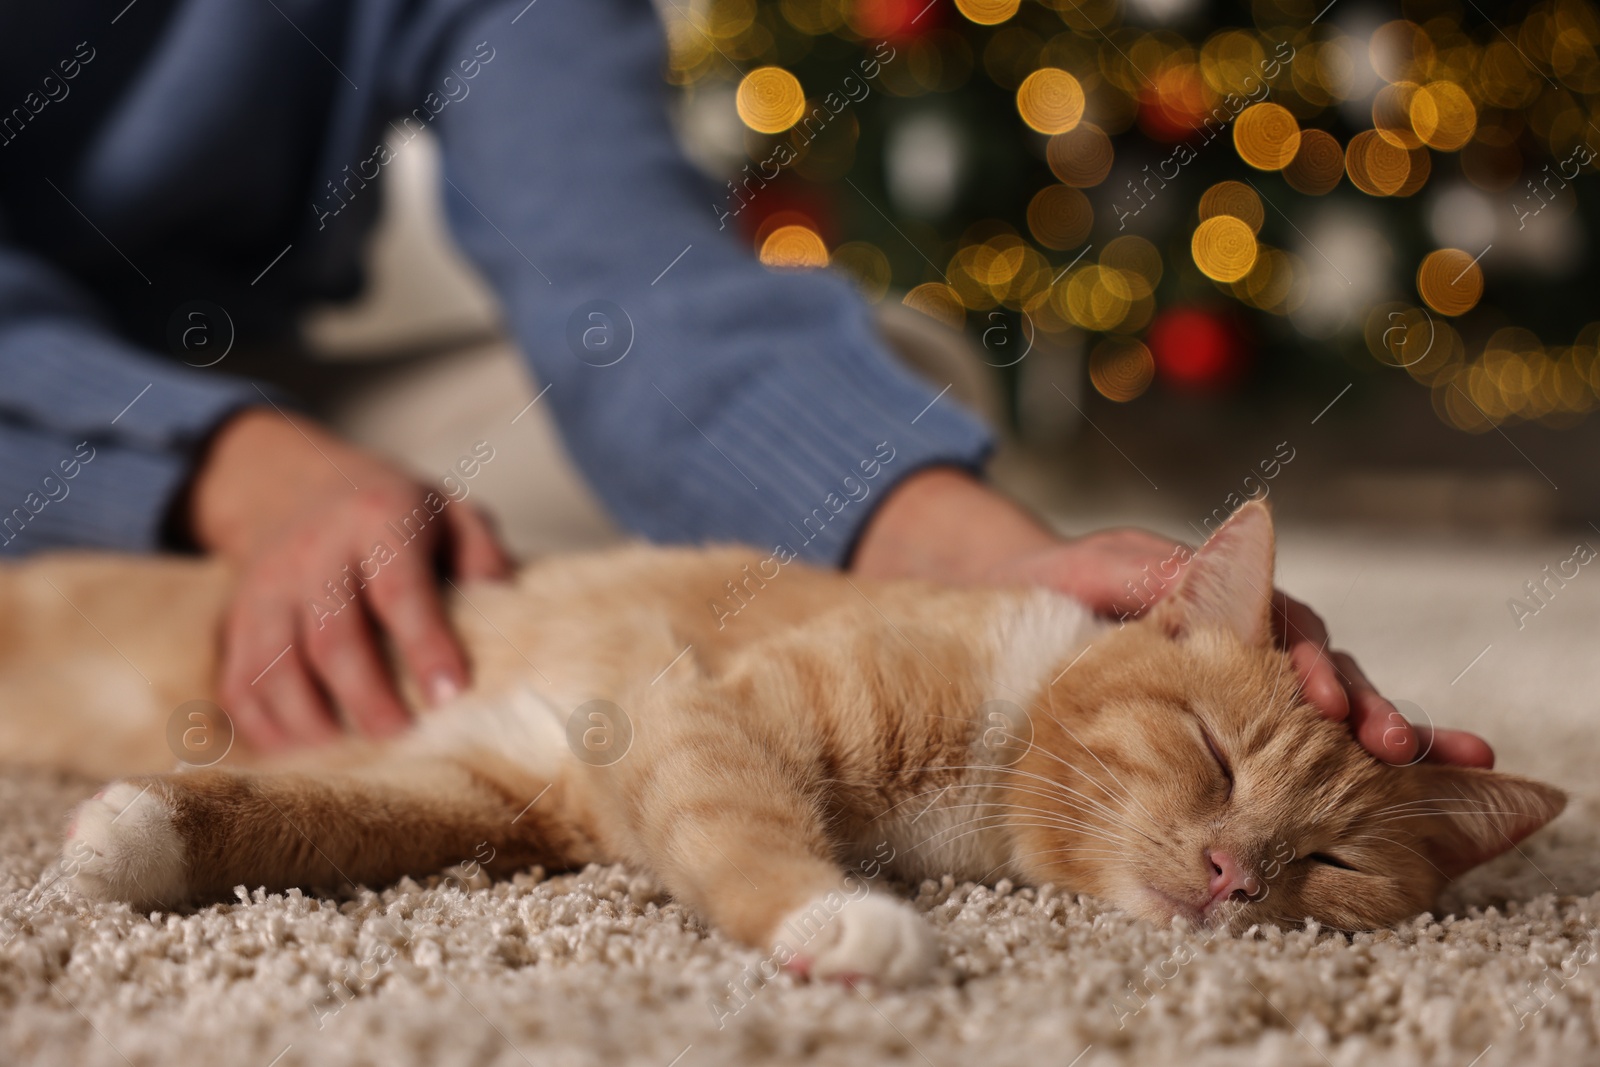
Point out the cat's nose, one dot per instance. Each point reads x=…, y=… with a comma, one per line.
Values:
x=1228, y=877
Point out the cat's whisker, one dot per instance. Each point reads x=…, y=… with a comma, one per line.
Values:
x=1119, y=818
x=1429, y=800
x=1434, y=813
x=1054, y=790
x=1408, y=848
x=1127, y=793
x=1052, y=851
x=1010, y=805
x=1060, y=792
x=1053, y=822
x=1067, y=820
x=981, y=829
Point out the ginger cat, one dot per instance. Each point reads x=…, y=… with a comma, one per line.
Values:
x=768, y=770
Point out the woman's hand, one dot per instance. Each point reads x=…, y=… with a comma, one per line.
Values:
x=945, y=525
x=336, y=552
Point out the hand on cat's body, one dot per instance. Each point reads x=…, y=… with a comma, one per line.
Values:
x=295, y=509
x=945, y=525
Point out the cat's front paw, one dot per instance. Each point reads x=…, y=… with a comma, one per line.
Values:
x=123, y=845
x=848, y=939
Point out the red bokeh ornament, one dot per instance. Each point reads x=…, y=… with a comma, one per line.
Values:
x=894, y=19
x=1196, y=350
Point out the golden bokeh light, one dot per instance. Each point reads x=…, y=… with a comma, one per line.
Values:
x=938, y=301
x=812, y=17
x=988, y=12
x=1420, y=164
x=1060, y=217
x=1081, y=157
x=1443, y=116
x=1224, y=248
x=866, y=265
x=794, y=246
x=1318, y=165
x=1376, y=166
x=1402, y=335
x=1236, y=199
x=1121, y=370
x=1391, y=114
x=770, y=100
x=1266, y=136
x=1050, y=100
x=1137, y=259
x=1276, y=284
x=970, y=272
x=1097, y=298
x=1449, y=281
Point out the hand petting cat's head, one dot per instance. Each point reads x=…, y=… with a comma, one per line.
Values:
x=1191, y=778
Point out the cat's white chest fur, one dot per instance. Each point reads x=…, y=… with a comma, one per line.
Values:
x=960, y=828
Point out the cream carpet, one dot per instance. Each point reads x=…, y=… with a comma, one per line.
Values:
x=598, y=967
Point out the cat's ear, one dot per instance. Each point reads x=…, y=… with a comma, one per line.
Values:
x=1482, y=813
x=1228, y=583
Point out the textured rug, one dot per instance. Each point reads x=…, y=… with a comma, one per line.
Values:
x=599, y=967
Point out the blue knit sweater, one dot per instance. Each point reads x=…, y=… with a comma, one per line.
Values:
x=169, y=152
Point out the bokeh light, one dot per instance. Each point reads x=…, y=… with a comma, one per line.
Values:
x=1449, y=281
x=1080, y=157
x=865, y=264
x=1377, y=166
x=1236, y=199
x=988, y=12
x=1121, y=369
x=1224, y=248
x=1060, y=217
x=1443, y=116
x=794, y=246
x=1317, y=166
x=770, y=100
x=1266, y=136
x=938, y=301
x=1050, y=100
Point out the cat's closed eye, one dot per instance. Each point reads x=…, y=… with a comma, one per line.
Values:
x=1216, y=754
x=1328, y=860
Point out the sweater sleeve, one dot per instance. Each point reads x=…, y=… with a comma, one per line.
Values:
x=96, y=437
x=704, y=396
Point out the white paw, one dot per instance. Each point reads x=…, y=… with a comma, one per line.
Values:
x=873, y=937
x=123, y=846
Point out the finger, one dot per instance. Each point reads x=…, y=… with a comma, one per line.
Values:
x=249, y=717
x=294, y=701
x=1378, y=725
x=1319, y=682
x=405, y=602
x=242, y=703
x=344, y=655
x=1456, y=747
x=1295, y=623
x=473, y=547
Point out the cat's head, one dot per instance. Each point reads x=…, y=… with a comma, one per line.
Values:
x=1175, y=770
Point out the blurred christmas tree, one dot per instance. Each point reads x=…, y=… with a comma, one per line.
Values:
x=1212, y=196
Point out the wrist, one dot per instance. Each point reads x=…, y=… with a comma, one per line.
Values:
x=260, y=469
x=943, y=524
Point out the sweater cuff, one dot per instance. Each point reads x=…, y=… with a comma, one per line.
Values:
x=826, y=445
x=61, y=492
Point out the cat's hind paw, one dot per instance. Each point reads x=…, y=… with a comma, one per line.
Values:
x=872, y=937
x=123, y=845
